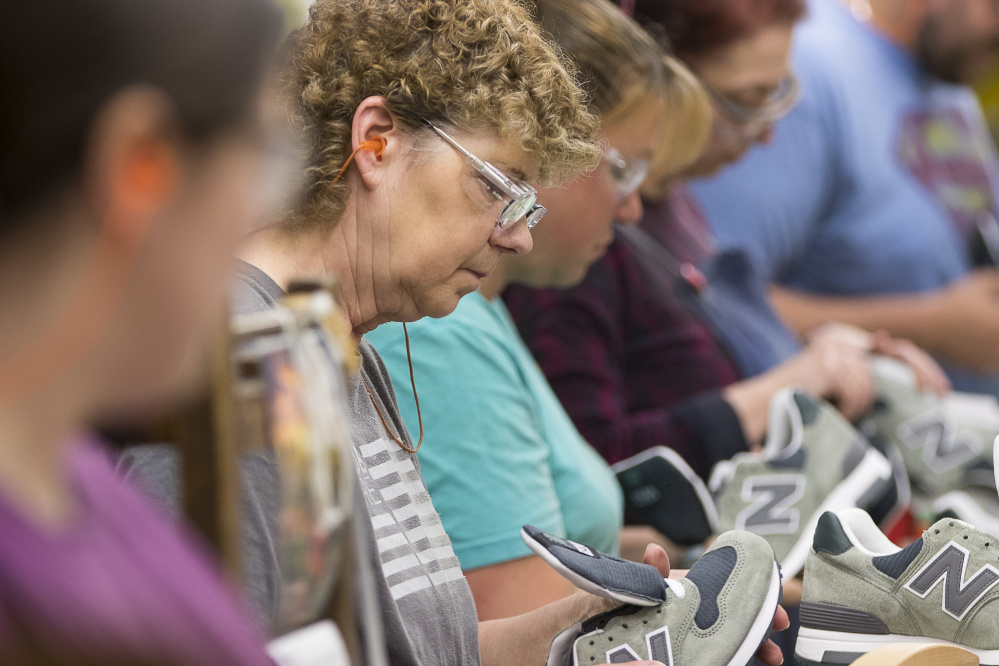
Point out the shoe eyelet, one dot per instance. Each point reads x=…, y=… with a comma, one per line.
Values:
x=951, y=524
x=645, y=621
x=592, y=643
x=965, y=537
x=936, y=531
x=624, y=626
x=610, y=639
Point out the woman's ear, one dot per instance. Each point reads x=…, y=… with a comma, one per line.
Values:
x=134, y=171
x=377, y=138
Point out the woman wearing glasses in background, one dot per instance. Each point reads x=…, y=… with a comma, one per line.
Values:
x=501, y=451
x=643, y=353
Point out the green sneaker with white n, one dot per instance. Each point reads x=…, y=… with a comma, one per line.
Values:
x=813, y=461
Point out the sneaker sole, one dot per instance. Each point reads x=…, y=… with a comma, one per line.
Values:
x=874, y=467
x=817, y=647
x=762, y=627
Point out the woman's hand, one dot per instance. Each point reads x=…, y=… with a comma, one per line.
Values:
x=929, y=375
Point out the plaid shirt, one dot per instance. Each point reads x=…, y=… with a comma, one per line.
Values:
x=630, y=363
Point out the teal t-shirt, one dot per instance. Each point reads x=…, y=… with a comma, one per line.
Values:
x=499, y=450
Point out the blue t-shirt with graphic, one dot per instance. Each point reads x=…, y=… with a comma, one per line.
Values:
x=873, y=184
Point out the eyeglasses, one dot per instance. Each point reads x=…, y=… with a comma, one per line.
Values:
x=752, y=119
x=628, y=174
x=509, y=197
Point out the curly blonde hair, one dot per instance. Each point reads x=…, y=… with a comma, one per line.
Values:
x=469, y=64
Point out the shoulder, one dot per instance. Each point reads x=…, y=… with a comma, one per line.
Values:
x=475, y=327
x=252, y=290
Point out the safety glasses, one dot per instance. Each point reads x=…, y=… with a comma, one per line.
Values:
x=628, y=174
x=509, y=198
x=753, y=120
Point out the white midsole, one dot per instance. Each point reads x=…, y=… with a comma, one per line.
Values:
x=761, y=625
x=814, y=643
x=874, y=466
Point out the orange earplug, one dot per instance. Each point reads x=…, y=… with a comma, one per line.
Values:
x=375, y=145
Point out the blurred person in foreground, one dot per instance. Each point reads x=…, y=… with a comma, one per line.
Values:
x=875, y=203
x=130, y=155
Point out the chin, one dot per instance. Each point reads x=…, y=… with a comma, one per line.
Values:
x=442, y=307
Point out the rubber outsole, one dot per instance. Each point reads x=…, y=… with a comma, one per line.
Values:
x=762, y=628
x=817, y=647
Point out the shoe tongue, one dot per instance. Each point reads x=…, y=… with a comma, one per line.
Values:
x=785, y=427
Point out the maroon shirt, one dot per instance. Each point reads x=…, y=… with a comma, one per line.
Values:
x=633, y=367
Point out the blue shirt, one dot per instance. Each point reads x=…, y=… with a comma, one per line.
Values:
x=873, y=184
x=499, y=450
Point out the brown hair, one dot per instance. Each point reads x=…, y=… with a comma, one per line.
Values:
x=470, y=64
x=697, y=27
x=623, y=68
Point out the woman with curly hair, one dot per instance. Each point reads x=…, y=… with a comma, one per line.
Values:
x=525, y=462
x=426, y=122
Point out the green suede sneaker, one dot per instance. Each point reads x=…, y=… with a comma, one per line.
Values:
x=718, y=615
x=813, y=461
x=861, y=592
x=946, y=441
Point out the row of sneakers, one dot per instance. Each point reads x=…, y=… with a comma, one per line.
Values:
x=860, y=591
x=814, y=461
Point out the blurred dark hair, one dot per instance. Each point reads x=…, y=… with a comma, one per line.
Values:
x=61, y=60
x=697, y=27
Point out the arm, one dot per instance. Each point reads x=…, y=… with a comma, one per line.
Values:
x=959, y=323
x=516, y=587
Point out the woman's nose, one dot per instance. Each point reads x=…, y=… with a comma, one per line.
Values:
x=515, y=239
x=629, y=210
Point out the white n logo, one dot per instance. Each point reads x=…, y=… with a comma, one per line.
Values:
x=770, y=499
x=949, y=566
x=943, y=449
x=659, y=646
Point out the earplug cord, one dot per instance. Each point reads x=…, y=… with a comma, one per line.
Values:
x=377, y=145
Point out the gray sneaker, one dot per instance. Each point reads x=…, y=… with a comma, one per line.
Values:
x=813, y=461
x=861, y=592
x=946, y=441
x=718, y=615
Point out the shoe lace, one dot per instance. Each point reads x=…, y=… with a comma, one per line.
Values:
x=678, y=589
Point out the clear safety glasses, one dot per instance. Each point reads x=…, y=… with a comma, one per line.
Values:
x=628, y=174
x=494, y=191
x=752, y=119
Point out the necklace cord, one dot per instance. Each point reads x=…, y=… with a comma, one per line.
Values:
x=416, y=397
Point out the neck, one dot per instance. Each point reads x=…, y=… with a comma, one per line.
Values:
x=898, y=20
x=494, y=283
x=323, y=250
x=32, y=455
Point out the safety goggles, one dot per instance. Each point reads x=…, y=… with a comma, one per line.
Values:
x=494, y=191
x=628, y=174
x=753, y=120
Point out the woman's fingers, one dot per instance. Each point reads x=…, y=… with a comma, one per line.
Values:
x=656, y=556
x=929, y=375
